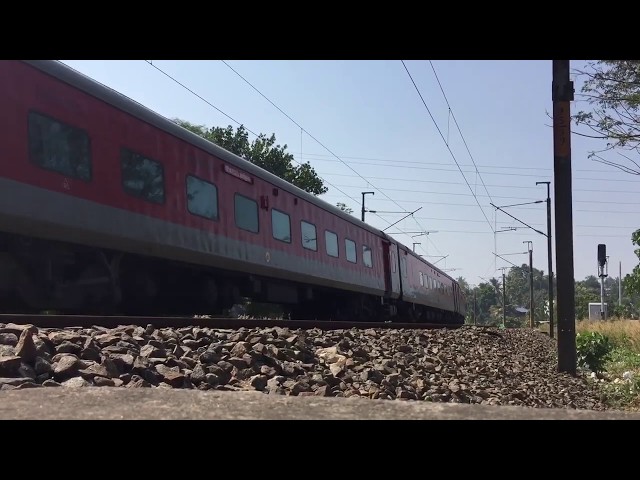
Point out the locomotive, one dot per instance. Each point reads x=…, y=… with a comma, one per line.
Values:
x=107, y=206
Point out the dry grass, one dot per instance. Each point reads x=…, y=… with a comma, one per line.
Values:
x=621, y=332
x=624, y=335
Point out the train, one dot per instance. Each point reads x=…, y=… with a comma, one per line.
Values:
x=108, y=207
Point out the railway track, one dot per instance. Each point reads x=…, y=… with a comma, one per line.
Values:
x=83, y=321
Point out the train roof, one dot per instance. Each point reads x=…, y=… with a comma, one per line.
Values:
x=107, y=94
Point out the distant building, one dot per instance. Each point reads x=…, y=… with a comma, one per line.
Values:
x=521, y=311
x=594, y=311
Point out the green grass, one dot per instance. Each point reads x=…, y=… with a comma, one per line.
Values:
x=624, y=337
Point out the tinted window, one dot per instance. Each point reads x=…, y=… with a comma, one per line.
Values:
x=246, y=213
x=59, y=147
x=331, y=240
x=309, y=236
x=281, y=225
x=142, y=177
x=366, y=256
x=202, y=198
x=350, y=247
x=403, y=265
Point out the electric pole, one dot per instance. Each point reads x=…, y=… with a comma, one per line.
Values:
x=549, y=260
x=620, y=284
x=363, y=210
x=504, y=298
x=532, y=322
x=562, y=96
x=474, y=305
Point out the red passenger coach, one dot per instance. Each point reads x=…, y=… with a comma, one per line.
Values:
x=108, y=206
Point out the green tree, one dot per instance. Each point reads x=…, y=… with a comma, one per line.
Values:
x=486, y=301
x=517, y=287
x=584, y=294
x=467, y=291
x=262, y=152
x=344, y=208
x=632, y=280
x=612, y=89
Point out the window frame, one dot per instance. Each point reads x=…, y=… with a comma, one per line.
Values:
x=273, y=233
x=134, y=193
x=315, y=228
x=370, y=250
x=235, y=218
x=346, y=250
x=66, y=125
x=186, y=186
x=326, y=243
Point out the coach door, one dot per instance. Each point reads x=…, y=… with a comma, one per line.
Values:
x=388, y=258
x=455, y=297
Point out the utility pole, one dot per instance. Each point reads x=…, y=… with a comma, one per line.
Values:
x=562, y=96
x=474, y=305
x=620, y=284
x=532, y=322
x=363, y=210
x=504, y=300
x=504, y=297
x=549, y=260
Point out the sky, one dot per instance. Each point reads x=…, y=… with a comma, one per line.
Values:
x=480, y=134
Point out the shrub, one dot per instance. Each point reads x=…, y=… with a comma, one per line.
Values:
x=593, y=350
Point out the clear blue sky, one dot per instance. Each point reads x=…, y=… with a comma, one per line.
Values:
x=369, y=115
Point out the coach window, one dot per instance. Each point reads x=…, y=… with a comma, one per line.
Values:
x=350, y=248
x=331, y=242
x=202, y=198
x=142, y=177
x=366, y=256
x=403, y=266
x=309, y=236
x=59, y=147
x=246, y=213
x=421, y=279
x=281, y=226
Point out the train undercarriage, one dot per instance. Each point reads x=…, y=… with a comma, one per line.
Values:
x=39, y=275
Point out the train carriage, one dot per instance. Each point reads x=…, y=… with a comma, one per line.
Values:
x=105, y=203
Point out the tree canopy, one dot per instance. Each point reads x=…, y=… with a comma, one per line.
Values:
x=488, y=296
x=262, y=152
x=343, y=206
x=612, y=90
x=632, y=280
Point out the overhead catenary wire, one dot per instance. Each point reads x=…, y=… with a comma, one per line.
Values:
x=448, y=148
x=404, y=179
x=496, y=186
x=499, y=256
x=393, y=160
x=617, y=211
x=309, y=134
x=410, y=167
x=459, y=129
x=234, y=120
